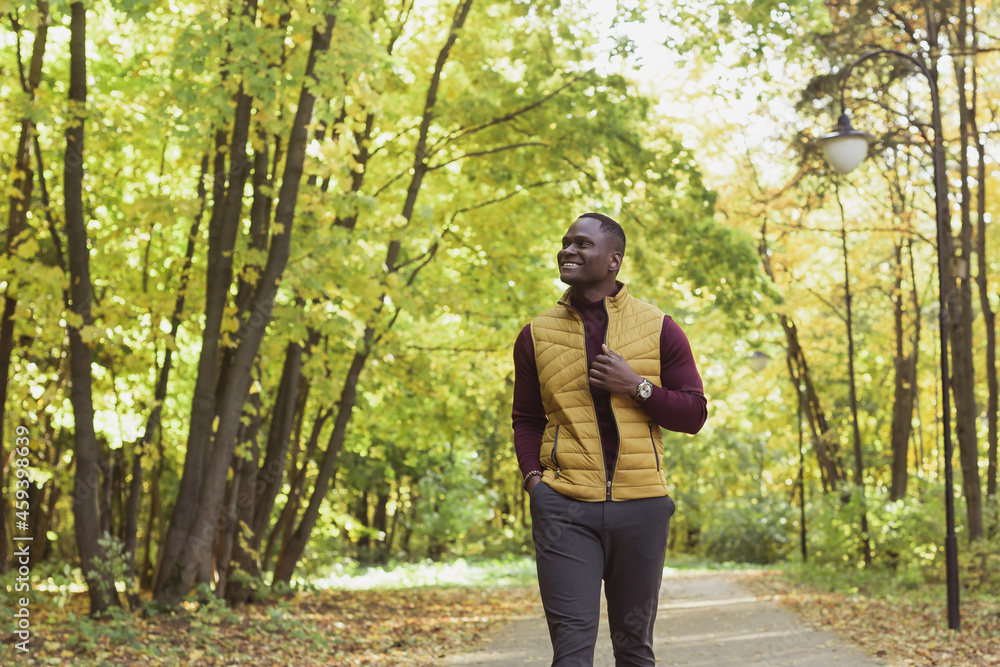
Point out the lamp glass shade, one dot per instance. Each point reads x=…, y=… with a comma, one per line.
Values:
x=758, y=361
x=845, y=152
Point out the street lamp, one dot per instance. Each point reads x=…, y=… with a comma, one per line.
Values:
x=758, y=361
x=846, y=148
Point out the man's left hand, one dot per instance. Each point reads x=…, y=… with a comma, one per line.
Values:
x=612, y=373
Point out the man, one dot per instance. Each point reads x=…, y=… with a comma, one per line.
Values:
x=596, y=378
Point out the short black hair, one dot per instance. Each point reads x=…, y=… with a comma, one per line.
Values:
x=609, y=227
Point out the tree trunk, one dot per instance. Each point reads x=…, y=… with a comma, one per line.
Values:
x=282, y=530
x=20, y=201
x=961, y=314
x=360, y=511
x=54, y=494
x=131, y=541
x=279, y=435
x=203, y=402
x=380, y=522
x=239, y=589
x=87, y=474
x=40, y=522
x=390, y=537
x=149, y=572
x=905, y=386
x=268, y=478
x=292, y=548
x=199, y=538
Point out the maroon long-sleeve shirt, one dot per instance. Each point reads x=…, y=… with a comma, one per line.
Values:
x=678, y=405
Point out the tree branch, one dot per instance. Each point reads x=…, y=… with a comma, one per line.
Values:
x=486, y=152
x=458, y=134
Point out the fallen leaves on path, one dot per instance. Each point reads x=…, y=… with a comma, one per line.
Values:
x=900, y=632
x=411, y=627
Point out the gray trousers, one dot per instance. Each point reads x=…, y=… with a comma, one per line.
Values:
x=577, y=545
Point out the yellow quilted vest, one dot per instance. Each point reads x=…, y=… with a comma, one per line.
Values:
x=571, y=445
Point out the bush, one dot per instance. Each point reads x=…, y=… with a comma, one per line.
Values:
x=749, y=529
x=906, y=536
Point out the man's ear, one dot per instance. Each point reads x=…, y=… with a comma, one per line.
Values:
x=616, y=261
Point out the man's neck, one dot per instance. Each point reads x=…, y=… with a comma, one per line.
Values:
x=595, y=293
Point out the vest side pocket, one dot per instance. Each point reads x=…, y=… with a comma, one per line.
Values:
x=555, y=446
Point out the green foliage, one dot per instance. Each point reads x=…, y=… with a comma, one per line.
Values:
x=510, y=570
x=979, y=562
x=907, y=537
x=750, y=530
x=756, y=27
x=209, y=610
x=117, y=626
x=112, y=568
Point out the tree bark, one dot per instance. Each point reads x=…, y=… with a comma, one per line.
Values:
x=131, y=541
x=283, y=420
x=380, y=521
x=149, y=572
x=239, y=513
x=360, y=511
x=905, y=385
x=283, y=527
x=87, y=474
x=267, y=481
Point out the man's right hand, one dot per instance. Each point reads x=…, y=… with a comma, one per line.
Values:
x=532, y=483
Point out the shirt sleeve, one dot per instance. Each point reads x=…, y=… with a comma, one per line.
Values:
x=679, y=404
x=528, y=413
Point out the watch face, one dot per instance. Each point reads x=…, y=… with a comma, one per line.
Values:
x=645, y=390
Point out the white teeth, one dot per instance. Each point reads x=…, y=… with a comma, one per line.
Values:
x=570, y=264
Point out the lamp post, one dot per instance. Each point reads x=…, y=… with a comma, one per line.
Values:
x=802, y=477
x=845, y=148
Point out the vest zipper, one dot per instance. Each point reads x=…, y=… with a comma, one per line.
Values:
x=614, y=417
x=652, y=441
x=555, y=460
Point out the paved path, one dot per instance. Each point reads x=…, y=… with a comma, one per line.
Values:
x=704, y=620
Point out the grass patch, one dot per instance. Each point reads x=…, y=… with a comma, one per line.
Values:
x=461, y=572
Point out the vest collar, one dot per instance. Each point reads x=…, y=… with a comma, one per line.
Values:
x=614, y=302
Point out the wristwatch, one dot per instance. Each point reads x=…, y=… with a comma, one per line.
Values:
x=644, y=390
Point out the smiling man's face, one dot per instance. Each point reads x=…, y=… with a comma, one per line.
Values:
x=588, y=257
